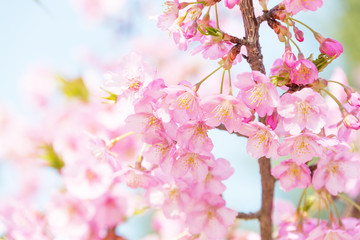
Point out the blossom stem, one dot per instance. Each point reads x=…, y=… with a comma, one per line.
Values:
x=197, y=85
x=217, y=17
x=115, y=140
x=319, y=211
x=222, y=82
x=334, y=98
x=230, y=88
x=335, y=209
x=343, y=85
x=300, y=201
x=347, y=199
x=327, y=204
x=293, y=42
x=312, y=30
x=140, y=158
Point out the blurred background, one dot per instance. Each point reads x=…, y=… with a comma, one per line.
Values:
x=68, y=36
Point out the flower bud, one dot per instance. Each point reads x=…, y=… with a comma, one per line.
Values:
x=231, y=3
x=288, y=57
x=272, y=121
x=331, y=47
x=299, y=35
x=353, y=98
x=350, y=121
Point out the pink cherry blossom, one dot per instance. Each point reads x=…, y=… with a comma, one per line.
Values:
x=333, y=171
x=212, y=48
x=257, y=92
x=292, y=175
x=213, y=181
x=193, y=136
x=211, y=217
x=131, y=77
x=191, y=165
x=302, y=147
x=301, y=110
x=321, y=233
x=170, y=15
x=225, y=109
x=90, y=181
x=231, y=3
x=262, y=140
x=303, y=72
x=138, y=179
x=295, y=6
x=183, y=102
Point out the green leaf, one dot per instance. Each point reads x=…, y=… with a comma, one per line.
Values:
x=74, y=88
x=51, y=157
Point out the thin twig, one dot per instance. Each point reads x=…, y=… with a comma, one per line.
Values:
x=248, y=216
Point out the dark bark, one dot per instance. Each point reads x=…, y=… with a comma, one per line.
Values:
x=255, y=60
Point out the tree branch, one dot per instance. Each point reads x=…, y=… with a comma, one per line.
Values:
x=255, y=60
x=271, y=14
x=222, y=127
x=248, y=216
x=252, y=36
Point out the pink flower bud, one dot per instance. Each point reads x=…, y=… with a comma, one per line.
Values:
x=289, y=58
x=299, y=35
x=272, y=120
x=350, y=121
x=353, y=98
x=331, y=47
x=231, y=3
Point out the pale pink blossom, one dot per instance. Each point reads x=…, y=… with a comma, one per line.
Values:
x=212, y=48
x=295, y=6
x=211, y=216
x=68, y=216
x=303, y=72
x=262, y=140
x=191, y=165
x=322, y=233
x=193, y=136
x=183, y=102
x=333, y=171
x=231, y=3
x=88, y=182
x=292, y=175
x=225, y=109
x=301, y=110
x=166, y=19
x=257, y=92
x=302, y=147
x=135, y=178
x=213, y=181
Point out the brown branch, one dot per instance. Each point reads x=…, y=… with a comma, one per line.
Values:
x=222, y=127
x=252, y=36
x=273, y=13
x=248, y=216
x=255, y=60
